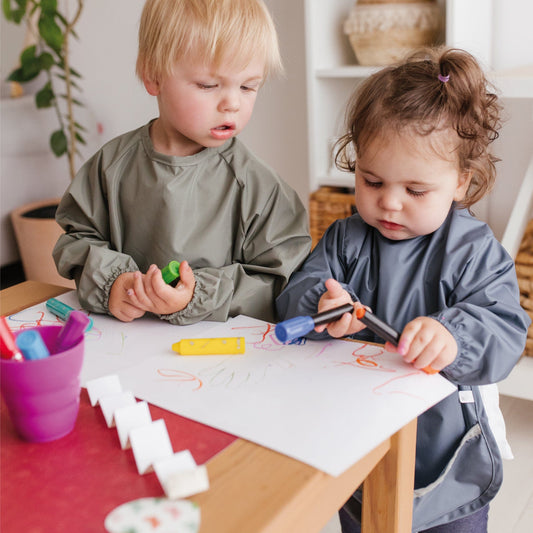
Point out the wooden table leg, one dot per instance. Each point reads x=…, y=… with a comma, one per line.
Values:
x=388, y=490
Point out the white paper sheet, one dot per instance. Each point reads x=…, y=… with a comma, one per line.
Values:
x=326, y=403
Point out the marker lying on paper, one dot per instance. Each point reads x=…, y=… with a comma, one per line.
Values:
x=8, y=346
x=215, y=346
x=62, y=311
x=31, y=345
x=171, y=272
x=301, y=325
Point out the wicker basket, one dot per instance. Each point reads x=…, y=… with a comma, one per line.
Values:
x=383, y=33
x=524, y=271
x=327, y=205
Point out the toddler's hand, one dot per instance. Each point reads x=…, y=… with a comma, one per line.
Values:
x=151, y=293
x=120, y=304
x=336, y=296
x=425, y=342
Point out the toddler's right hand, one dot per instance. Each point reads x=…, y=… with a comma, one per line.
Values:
x=336, y=296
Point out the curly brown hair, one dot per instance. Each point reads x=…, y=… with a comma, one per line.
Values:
x=411, y=96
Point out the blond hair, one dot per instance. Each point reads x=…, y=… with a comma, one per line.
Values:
x=210, y=31
x=433, y=90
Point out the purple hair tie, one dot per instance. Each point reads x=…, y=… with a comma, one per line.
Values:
x=444, y=79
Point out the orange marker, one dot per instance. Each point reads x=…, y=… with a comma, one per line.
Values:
x=373, y=323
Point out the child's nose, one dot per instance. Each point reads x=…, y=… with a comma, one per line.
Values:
x=389, y=200
x=230, y=102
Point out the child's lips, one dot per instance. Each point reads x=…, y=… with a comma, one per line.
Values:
x=390, y=225
x=224, y=131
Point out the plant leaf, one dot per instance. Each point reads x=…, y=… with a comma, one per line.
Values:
x=58, y=142
x=45, y=97
x=49, y=7
x=51, y=32
x=16, y=75
x=14, y=14
x=28, y=53
x=29, y=66
x=46, y=61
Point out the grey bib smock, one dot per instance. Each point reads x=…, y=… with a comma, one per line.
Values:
x=461, y=276
x=240, y=227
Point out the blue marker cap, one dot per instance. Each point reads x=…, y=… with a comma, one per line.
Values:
x=294, y=328
x=31, y=345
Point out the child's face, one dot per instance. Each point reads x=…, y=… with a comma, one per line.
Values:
x=403, y=188
x=200, y=106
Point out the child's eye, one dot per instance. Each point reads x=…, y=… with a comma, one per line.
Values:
x=248, y=88
x=206, y=85
x=374, y=184
x=415, y=193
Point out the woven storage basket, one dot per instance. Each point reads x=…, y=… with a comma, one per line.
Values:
x=524, y=272
x=327, y=205
x=383, y=33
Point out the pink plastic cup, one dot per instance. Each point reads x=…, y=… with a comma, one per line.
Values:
x=43, y=396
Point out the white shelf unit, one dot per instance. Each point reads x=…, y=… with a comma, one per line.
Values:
x=332, y=70
x=332, y=73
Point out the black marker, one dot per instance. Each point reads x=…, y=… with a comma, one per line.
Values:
x=375, y=324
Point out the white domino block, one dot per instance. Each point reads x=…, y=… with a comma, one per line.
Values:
x=186, y=483
x=150, y=444
x=104, y=386
x=110, y=403
x=131, y=417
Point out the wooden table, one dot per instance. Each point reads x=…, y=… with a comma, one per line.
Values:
x=254, y=489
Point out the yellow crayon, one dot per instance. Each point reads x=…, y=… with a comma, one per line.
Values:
x=215, y=346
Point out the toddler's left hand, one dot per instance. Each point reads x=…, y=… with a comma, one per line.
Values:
x=425, y=342
x=152, y=294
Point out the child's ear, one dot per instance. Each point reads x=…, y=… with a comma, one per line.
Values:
x=151, y=86
x=462, y=185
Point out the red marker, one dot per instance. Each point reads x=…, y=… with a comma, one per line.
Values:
x=8, y=346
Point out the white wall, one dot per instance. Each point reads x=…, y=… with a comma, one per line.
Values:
x=106, y=52
x=512, y=35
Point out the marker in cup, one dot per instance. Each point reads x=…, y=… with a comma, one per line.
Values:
x=72, y=332
x=8, y=346
x=32, y=345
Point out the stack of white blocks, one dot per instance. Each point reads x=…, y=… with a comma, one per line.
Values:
x=178, y=473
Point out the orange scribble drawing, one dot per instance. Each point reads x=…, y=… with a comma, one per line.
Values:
x=267, y=339
x=388, y=387
x=171, y=374
x=365, y=360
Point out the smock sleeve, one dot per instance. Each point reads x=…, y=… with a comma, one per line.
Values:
x=306, y=286
x=84, y=253
x=485, y=317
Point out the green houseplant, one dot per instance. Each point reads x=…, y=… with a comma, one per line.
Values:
x=46, y=58
x=49, y=31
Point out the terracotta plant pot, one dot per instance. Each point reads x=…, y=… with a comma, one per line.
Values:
x=37, y=232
